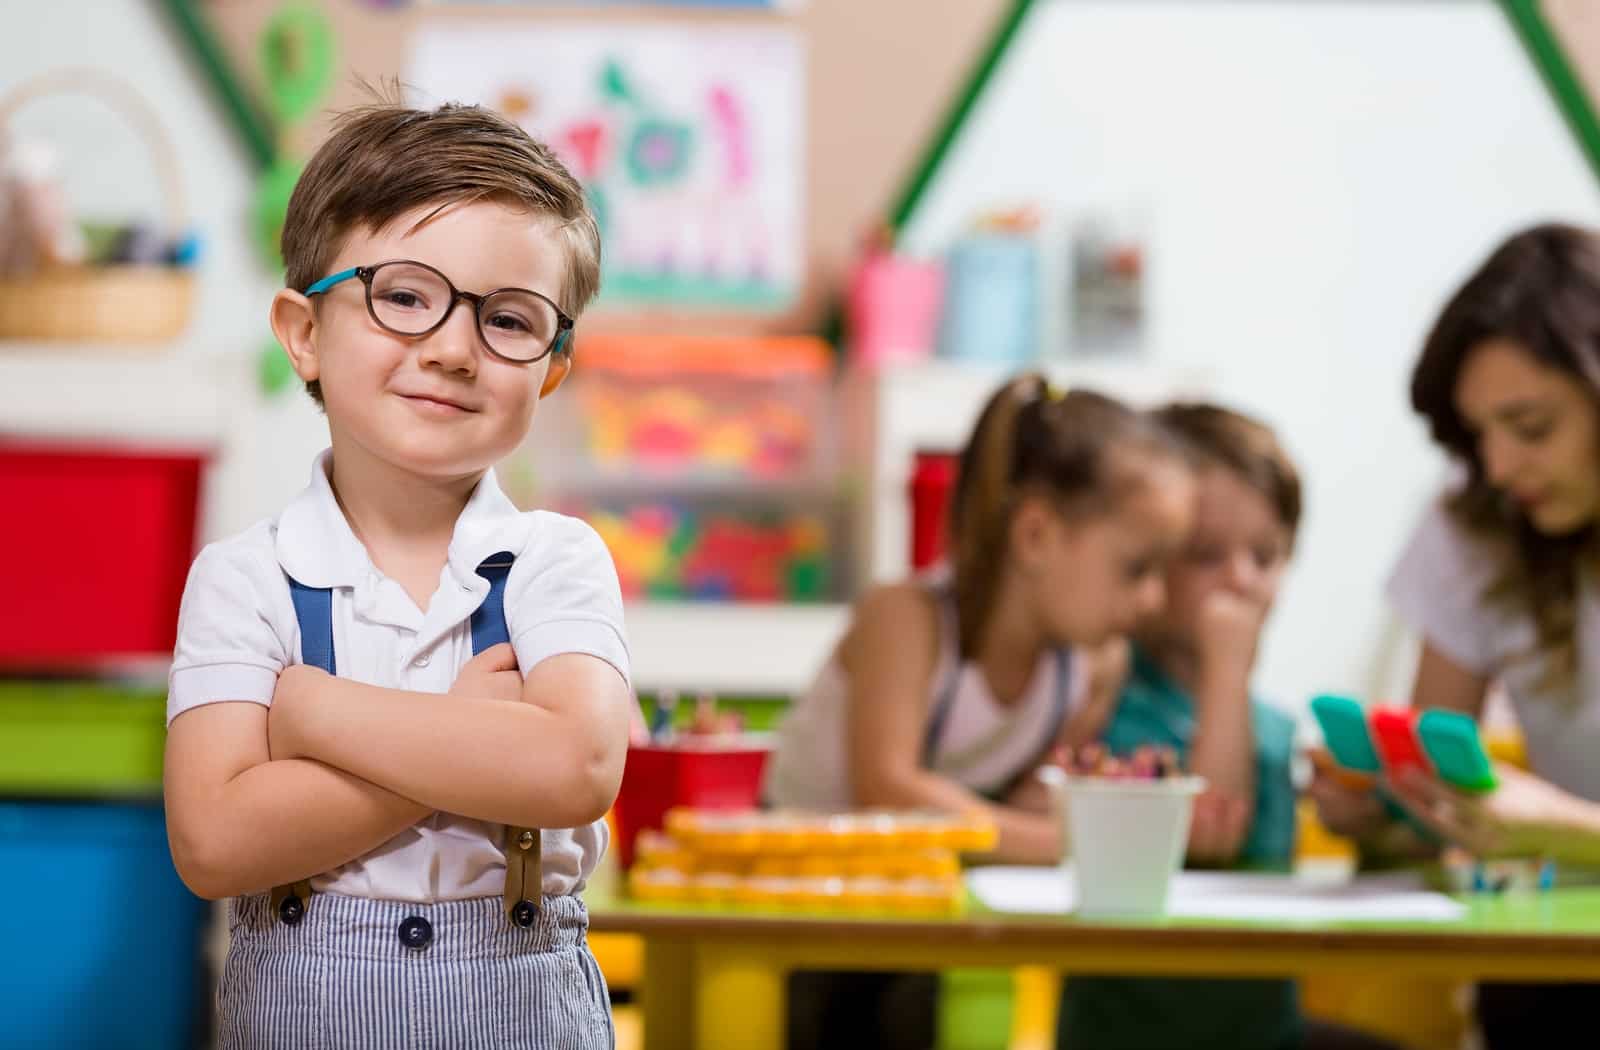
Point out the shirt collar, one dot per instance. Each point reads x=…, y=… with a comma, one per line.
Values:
x=316, y=546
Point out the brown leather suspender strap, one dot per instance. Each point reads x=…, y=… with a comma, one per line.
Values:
x=524, y=874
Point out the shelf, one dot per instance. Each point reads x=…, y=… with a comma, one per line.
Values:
x=688, y=487
x=133, y=394
x=753, y=649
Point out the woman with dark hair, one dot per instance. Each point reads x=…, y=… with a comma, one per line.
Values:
x=1500, y=579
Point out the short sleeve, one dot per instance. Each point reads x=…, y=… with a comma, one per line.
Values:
x=227, y=646
x=1437, y=589
x=563, y=596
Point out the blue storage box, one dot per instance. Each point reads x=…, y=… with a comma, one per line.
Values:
x=103, y=942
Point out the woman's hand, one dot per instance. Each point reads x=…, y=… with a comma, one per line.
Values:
x=1344, y=809
x=1523, y=817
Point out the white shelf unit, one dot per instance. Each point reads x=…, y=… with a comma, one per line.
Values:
x=756, y=650
x=894, y=412
x=130, y=394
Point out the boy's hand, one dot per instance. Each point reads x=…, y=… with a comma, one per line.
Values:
x=1217, y=829
x=1229, y=628
x=491, y=675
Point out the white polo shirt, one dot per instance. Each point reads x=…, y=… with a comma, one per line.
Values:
x=237, y=630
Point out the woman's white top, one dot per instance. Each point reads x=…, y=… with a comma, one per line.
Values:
x=1438, y=589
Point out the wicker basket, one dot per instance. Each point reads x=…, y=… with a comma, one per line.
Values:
x=115, y=305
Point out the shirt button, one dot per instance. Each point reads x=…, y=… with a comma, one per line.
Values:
x=421, y=661
x=416, y=932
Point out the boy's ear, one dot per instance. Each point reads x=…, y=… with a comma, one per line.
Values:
x=294, y=322
x=560, y=365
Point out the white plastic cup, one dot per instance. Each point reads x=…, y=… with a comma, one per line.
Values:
x=1126, y=837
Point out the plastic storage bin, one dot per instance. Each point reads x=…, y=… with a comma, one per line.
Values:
x=103, y=943
x=95, y=546
x=80, y=739
x=659, y=778
x=707, y=465
x=707, y=409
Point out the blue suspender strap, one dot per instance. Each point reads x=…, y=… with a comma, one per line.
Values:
x=489, y=622
x=313, y=607
x=524, y=868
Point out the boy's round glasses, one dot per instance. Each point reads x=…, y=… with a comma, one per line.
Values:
x=413, y=299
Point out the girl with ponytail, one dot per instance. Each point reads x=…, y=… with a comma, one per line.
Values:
x=948, y=690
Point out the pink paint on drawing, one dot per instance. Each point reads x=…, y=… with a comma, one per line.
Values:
x=730, y=122
x=585, y=143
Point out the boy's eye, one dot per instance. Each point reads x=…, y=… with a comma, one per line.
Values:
x=510, y=323
x=403, y=299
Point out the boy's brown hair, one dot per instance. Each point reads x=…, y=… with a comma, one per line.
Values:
x=384, y=160
x=1243, y=446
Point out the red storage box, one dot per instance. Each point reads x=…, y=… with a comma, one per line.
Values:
x=933, y=482
x=95, y=546
x=657, y=779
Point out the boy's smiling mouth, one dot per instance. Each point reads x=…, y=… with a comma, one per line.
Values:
x=433, y=404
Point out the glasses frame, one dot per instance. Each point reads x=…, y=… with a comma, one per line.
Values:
x=561, y=344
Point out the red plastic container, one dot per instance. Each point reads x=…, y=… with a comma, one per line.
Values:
x=95, y=546
x=657, y=779
x=933, y=480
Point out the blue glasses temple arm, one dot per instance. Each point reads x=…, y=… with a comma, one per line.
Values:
x=331, y=280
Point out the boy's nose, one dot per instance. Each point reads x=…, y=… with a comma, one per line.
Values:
x=1152, y=596
x=454, y=346
x=1242, y=572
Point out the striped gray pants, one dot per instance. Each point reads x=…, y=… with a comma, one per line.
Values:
x=456, y=975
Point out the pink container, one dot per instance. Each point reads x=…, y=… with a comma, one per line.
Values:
x=894, y=306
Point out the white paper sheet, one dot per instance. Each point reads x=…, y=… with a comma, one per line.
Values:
x=1229, y=895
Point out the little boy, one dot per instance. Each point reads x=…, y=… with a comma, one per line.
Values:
x=379, y=696
x=1188, y=689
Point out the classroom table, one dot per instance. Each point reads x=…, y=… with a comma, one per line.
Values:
x=715, y=978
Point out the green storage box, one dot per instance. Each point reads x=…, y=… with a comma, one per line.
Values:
x=77, y=740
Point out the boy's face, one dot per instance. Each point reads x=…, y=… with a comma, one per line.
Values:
x=439, y=405
x=1237, y=544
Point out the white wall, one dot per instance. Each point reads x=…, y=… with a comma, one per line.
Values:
x=204, y=386
x=1315, y=177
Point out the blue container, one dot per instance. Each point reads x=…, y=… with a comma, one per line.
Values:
x=103, y=944
x=991, y=308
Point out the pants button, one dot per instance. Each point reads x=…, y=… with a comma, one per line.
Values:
x=416, y=932
x=291, y=910
x=523, y=913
